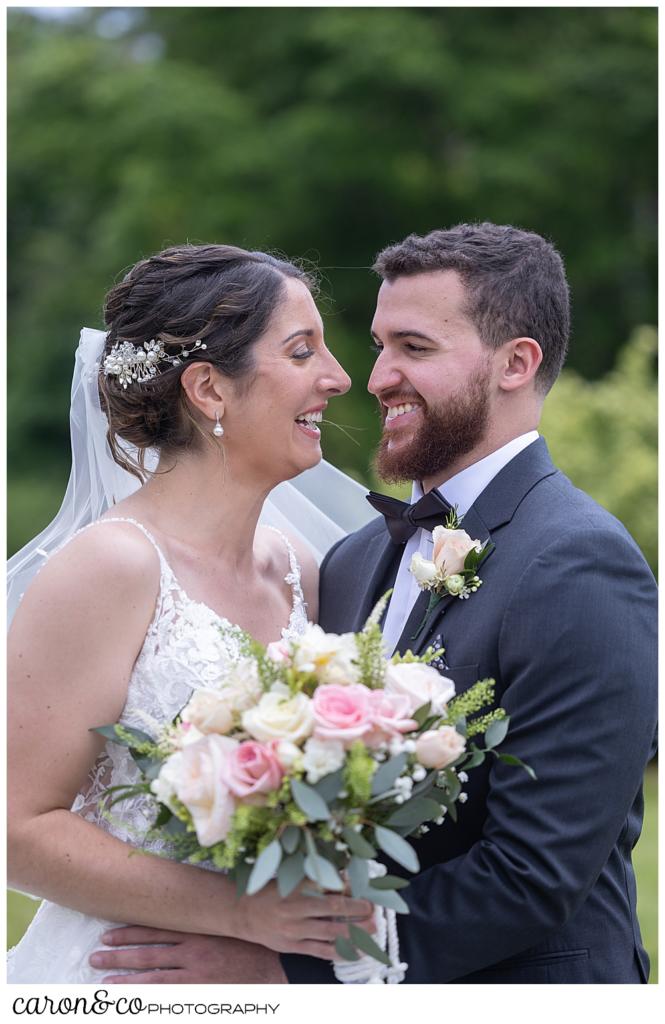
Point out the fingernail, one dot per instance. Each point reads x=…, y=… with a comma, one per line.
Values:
x=106, y=938
x=95, y=960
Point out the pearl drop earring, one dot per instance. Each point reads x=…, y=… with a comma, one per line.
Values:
x=218, y=429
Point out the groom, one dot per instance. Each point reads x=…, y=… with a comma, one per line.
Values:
x=534, y=882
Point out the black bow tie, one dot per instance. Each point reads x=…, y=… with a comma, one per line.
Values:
x=403, y=519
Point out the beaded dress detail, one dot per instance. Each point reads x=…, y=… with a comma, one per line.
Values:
x=185, y=648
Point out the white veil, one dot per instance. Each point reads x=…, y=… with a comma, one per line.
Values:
x=320, y=506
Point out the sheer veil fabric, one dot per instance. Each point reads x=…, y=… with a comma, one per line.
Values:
x=320, y=506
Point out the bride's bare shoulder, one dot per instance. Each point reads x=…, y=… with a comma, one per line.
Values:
x=107, y=563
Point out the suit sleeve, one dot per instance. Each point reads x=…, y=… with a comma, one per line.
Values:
x=577, y=650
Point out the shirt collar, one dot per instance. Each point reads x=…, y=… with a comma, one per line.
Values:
x=463, y=488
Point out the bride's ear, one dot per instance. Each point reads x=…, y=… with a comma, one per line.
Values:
x=204, y=388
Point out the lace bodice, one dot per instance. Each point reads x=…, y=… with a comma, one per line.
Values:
x=186, y=647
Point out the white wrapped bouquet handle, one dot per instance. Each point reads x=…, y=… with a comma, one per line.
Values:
x=366, y=970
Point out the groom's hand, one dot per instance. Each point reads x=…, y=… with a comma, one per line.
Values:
x=178, y=958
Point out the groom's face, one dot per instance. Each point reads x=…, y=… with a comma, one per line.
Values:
x=432, y=377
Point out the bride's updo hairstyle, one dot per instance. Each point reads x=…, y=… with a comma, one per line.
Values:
x=219, y=294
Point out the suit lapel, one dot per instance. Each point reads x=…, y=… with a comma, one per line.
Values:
x=493, y=508
x=379, y=564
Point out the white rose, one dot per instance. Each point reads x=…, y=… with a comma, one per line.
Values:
x=208, y=712
x=241, y=686
x=322, y=757
x=451, y=548
x=422, y=684
x=278, y=716
x=288, y=754
x=194, y=776
x=328, y=655
x=164, y=786
x=423, y=570
x=439, y=747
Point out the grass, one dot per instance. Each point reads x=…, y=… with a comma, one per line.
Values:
x=20, y=909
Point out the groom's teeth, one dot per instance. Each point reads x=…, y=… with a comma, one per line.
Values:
x=310, y=417
x=399, y=410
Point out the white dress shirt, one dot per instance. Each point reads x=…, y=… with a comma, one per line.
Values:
x=461, y=490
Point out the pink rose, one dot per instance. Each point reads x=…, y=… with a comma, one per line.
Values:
x=342, y=712
x=279, y=651
x=451, y=548
x=390, y=716
x=251, y=769
x=438, y=748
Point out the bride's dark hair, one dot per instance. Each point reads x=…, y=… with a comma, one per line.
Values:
x=220, y=294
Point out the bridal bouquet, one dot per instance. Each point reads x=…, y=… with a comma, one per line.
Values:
x=308, y=759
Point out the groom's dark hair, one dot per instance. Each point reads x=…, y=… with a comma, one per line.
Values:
x=515, y=284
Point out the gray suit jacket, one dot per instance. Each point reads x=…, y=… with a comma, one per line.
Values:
x=534, y=883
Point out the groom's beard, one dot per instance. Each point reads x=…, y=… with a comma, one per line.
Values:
x=447, y=433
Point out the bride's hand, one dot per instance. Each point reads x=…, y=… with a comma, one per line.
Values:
x=180, y=958
x=301, y=923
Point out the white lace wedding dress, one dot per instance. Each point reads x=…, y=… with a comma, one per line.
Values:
x=183, y=648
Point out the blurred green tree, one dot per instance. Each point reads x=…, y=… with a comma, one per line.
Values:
x=325, y=133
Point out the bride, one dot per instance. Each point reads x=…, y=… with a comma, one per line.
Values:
x=214, y=371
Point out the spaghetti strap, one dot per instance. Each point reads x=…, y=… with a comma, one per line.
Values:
x=292, y=578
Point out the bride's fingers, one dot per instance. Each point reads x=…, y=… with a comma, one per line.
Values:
x=137, y=934
x=339, y=907
x=149, y=978
x=321, y=950
x=140, y=957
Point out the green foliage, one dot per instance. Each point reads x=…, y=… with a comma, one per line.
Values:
x=249, y=825
x=472, y=700
x=370, y=648
x=358, y=772
x=604, y=436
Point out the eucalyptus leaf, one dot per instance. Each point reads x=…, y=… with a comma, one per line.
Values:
x=475, y=758
x=496, y=732
x=265, y=867
x=397, y=848
x=357, y=844
x=388, y=898
x=389, y=882
x=290, y=839
x=453, y=786
x=309, y=801
x=290, y=873
x=329, y=786
x=426, y=786
x=363, y=941
x=460, y=725
x=358, y=873
x=149, y=766
x=241, y=875
x=175, y=827
x=420, y=714
x=165, y=814
x=511, y=759
x=387, y=773
x=346, y=949
x=449, y=805
x=414, y=812
x=321, y=871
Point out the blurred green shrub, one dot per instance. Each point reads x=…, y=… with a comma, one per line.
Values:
x=604, y=435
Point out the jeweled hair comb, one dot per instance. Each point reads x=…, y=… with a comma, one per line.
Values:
x=133, y=363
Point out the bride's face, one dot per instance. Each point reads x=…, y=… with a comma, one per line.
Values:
x=270, y=428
